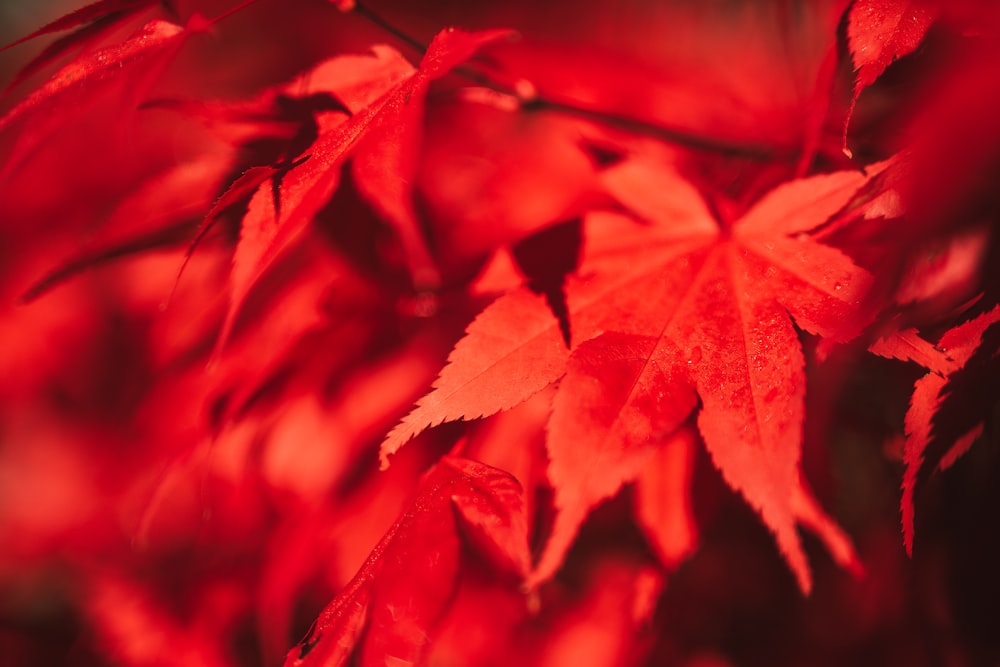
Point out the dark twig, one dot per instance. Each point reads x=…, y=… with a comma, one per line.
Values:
x=543, y=103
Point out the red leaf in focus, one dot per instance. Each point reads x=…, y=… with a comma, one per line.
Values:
x=405, y=585
x=878, y=33
x=511, y=351
x=720, y=326
x=614, y=408
x=668, y=310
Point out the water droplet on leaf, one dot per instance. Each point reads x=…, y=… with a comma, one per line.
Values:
x=695, y=356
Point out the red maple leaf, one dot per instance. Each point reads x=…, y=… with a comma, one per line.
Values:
x=664, y=314
x=97, y=20
x=932, y=392
x=404, y=586
x=385, y=95
x=878, y=33
x=88, y=77
x=102, y=10
x=654, y=289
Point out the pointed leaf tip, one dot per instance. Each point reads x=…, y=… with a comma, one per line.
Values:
x=512, y=350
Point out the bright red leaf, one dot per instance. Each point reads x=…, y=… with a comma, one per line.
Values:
x=679, y=309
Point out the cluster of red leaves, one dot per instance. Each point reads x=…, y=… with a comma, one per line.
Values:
x=650, y=286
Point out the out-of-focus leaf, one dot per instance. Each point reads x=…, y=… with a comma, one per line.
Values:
x=388, y=609
x=381, y=108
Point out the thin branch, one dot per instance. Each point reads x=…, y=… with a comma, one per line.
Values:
x=543, y=103
x=229, y=12
x=671, y=135
x=372, y=17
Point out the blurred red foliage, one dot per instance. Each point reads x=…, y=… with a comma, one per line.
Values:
x=649, y=285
